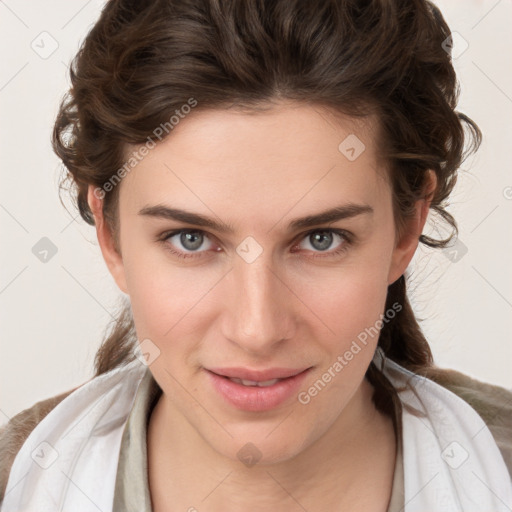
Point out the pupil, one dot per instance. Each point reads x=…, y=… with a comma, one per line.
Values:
x=324, y=239
x=191, y=240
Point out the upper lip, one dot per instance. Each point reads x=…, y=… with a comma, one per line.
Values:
x=257, y=375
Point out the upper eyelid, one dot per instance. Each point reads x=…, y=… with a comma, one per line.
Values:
x=172, y=232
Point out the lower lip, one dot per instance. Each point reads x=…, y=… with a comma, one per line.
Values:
x=254, y=398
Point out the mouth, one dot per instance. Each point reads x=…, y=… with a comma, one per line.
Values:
x=261, y=384
x=256, y=390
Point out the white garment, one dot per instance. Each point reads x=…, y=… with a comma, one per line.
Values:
x=69, y=461
x=450, y=458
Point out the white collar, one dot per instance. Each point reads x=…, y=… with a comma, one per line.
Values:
x=69, y=461
x=450, y=458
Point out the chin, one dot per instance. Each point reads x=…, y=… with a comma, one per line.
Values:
x=258, y=447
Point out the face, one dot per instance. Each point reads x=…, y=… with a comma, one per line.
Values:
x=255, y=287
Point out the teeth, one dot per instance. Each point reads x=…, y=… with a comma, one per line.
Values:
x=266, y=383
x=262, y=384
x=248, y=382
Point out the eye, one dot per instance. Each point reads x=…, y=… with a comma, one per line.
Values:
x=192, y=243
x=322, y=241
x=187, y=243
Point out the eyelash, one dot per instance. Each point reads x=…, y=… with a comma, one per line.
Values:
x=347, y=240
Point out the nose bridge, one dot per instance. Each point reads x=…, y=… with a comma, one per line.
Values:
x=259, y=315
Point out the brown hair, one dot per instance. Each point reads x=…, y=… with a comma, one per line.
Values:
x=142, y=61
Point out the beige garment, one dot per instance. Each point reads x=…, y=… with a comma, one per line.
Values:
x=132, y=486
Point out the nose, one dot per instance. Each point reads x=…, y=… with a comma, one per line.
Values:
x=258, y=314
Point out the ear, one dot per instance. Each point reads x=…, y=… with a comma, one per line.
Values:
x=408, y=243
x=112, y=257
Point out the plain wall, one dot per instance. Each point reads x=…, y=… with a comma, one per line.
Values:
x=53, y=313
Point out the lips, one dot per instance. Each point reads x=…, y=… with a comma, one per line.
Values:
x=256, y=390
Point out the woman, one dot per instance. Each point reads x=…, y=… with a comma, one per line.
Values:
x=259, y=175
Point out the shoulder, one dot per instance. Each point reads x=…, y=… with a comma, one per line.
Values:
x=493, y=403
x=16, y=431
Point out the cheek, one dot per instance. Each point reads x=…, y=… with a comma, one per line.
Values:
x=352, y=314
x=160, y=294
x=351, y=297
x=172, y=305
x=165, y=303
x=352, y=308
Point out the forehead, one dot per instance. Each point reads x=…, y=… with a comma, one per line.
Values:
x=254, y=164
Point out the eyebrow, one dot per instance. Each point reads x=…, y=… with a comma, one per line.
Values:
x=341, y=212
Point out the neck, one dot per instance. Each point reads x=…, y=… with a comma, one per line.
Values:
x=185, y=473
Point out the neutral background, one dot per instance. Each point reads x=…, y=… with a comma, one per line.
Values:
x=53, y=313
